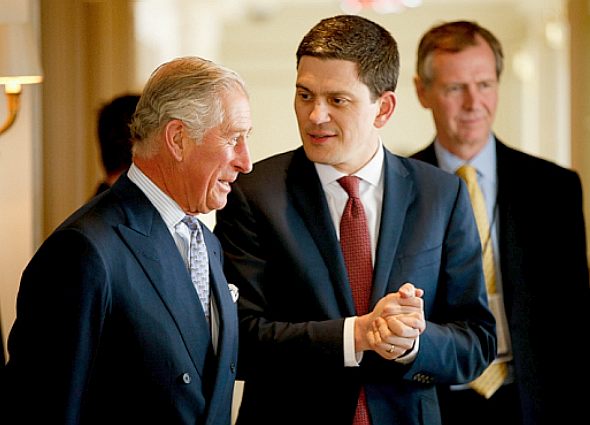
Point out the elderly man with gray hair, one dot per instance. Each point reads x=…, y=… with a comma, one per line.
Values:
x=124, y=314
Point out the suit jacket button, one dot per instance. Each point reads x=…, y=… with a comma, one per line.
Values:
x=186, y=378
x=232, y=367
x=419, y=377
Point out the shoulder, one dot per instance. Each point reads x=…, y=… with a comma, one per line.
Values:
x=269, y=172
x=423, y=173
x=98, y=219
x=522, y=166
x=427, y=185
x=427, y=154
x=275, y=162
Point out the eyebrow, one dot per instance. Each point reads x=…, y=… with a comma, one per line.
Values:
x=301, y=86
x=330, y=93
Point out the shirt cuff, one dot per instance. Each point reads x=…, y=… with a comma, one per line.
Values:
x=410, y=355
x=351, y=359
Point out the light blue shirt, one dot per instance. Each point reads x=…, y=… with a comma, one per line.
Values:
x=485, y=164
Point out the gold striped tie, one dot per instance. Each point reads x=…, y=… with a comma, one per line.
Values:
x=495, y=374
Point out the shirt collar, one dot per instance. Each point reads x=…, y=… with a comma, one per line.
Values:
x=371, y=172
x=484, y=162
x=169, y=210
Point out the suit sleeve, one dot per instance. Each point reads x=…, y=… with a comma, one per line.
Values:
x=60, y=315
x=460, y=340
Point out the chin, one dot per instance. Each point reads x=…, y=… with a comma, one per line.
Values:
x=318, y=153
x=219, y=204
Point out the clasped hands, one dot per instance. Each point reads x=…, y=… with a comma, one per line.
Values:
x=393, y=326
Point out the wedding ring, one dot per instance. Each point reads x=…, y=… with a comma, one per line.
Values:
x=391, y=348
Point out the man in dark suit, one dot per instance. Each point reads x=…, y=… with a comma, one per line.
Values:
x=537, y=236
x=307, y=354
x=109, y=326
x=114, y=137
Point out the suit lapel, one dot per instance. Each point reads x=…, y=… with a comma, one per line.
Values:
x=309, y=200
x=150, y=241
x=228, y=325
x=398, y=191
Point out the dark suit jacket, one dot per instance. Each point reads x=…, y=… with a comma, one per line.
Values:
x=110, y=330
x=545, y=282
x=282, y=251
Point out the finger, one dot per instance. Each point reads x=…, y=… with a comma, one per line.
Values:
x=371, y=339
x=382, y=328
x=410, y=302
x=415, y=322
x=401, y=345
x=404, y=326
x=404, y=344
x=403, y=306
x=407, y=290
x=390, y=349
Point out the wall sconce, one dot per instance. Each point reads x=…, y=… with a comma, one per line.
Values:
x=19, y=64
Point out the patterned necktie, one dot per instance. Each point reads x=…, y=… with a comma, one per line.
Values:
x=493, y=377
x=198, y=262
x=356, y=248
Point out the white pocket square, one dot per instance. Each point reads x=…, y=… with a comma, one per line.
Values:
x=234, y=291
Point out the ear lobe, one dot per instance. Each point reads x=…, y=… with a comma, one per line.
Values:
x=174, y=139
x=387, y=103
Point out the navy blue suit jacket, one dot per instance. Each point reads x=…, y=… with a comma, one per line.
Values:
x=282, y=251
x=545, y=282
x=109, y=328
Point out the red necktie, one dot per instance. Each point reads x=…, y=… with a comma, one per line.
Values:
x=356, y=248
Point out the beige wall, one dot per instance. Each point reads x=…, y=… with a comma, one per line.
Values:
x=579, y=13
x=49, y=160
x=19, y=164
x=87, y=59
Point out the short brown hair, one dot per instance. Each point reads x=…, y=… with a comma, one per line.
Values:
x=359, y=40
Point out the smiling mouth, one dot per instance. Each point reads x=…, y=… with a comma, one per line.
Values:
x=225, y=183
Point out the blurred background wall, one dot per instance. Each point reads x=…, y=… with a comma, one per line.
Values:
x=95, y=49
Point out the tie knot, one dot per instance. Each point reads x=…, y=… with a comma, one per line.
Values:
x=192, y=222
x=467, y=172
x=351, y=185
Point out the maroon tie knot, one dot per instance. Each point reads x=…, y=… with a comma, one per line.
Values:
x=351, y=185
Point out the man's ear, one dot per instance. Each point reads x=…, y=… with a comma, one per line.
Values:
x=173, y=133
x=421, y=91
x=387, y=103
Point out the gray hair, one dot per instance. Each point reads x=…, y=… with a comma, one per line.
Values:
x=188, y=89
